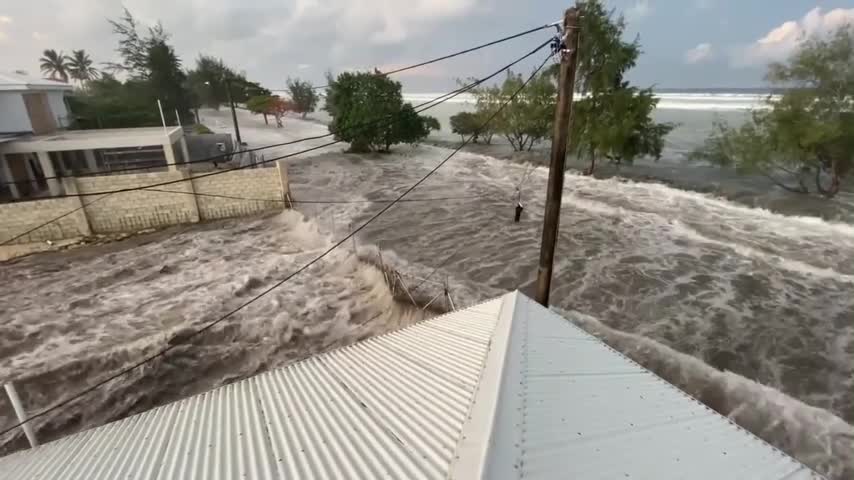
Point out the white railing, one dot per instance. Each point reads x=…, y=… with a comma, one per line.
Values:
x=21, y=414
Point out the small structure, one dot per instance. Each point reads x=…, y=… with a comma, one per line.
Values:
x=504, y=389
x=35, y=149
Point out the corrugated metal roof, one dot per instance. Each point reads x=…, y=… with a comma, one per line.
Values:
x=502, y=389
x=572, y=407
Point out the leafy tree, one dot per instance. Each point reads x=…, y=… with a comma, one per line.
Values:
x=109, y=103
x=54, y=65
x=528, y=118
x=368, y=112
x=166, y=79
x=80, y=67
x=466, y=124
x=154, y=72
x=134, y=48
x=210, y=80
x=806, y=135
x=260, y=104
x=488, y=101
x=611, y=119
x=303, y=96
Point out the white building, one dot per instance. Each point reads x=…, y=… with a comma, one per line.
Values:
x=35, y=148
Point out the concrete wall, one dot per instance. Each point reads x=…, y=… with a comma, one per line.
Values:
x=56, y=100
x=13, y=113
x=204, y=145
x=178, y=203
x=257, y=183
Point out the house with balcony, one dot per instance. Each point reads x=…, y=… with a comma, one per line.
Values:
x=36, y=149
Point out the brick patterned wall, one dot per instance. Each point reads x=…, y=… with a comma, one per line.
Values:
x=17, y=218
x=139, y=209
x=258, y=183
x=162, y=206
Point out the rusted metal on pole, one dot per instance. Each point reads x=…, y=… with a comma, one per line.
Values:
x=563, y=113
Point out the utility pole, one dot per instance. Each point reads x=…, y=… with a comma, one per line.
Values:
x=233, y=113
x=563, y=113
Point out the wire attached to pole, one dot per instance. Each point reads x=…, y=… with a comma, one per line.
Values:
x=281, y=282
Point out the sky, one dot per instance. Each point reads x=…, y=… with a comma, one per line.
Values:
x=686, y=43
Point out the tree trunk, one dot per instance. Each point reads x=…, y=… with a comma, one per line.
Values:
x=592, y=166
x=265, y=120
x=834, y=181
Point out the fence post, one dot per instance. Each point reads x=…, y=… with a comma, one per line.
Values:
x=21, y=414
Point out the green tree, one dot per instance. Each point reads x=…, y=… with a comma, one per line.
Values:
x=806, y=135
x=210, y=81
x=154, y=73
x=466, y=124
x=260, y=104
x=303, y=96
x=109, y=103
x=368, y=112
x=611, y=119
x=80, y=67
x=166, y=79
x=134, y=48
x=54, y=65
x=528, y=118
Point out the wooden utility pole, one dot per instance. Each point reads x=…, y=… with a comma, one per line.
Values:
x=233, y=114
x=560, y=137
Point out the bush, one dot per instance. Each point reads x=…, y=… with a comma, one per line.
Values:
x=303, y=96
x=368, y=112
x=466, y=124
x=201, y=129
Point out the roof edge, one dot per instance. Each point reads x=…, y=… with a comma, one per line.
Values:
x=475, y=442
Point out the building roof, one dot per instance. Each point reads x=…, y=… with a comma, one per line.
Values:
x=504, y=389
x=93, y=139
x=14, y=81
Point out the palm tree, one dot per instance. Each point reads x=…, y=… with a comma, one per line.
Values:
x=80, y=67
x=55, y=65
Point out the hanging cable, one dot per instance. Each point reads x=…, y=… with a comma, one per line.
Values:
x=291, y=142
x=281, y=282
x=422, y=108
x=461, y=52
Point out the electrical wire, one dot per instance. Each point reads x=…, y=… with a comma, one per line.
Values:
x=319, y=202
x=255, y=149
x=421, y=108
x=461, y=52
x=254, y=299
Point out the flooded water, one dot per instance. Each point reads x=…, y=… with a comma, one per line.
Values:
x=745, y=308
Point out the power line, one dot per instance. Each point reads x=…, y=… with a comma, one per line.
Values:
x=422, y=107
x=319, y=202
x=426, y=106
x=210, y=325
x=461, y=52
x=225, y=155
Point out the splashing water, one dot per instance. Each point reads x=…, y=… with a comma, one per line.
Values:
x=746, y=309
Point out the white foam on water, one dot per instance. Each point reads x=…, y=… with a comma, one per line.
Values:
x=667, y=271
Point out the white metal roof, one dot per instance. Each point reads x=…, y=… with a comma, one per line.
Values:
x=15, y=81
x=504, y=389
x=93, y=139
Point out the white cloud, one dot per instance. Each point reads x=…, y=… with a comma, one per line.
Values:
x=782, y=41
x=268, y=38
x=5, y=19
x=639, y=10
x=303, y=66
x=704, y=4
x=699, y=54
